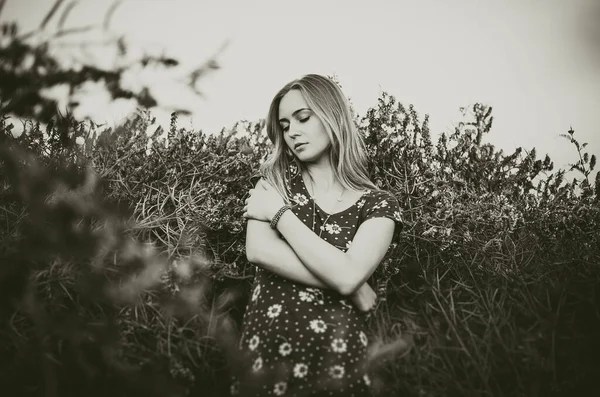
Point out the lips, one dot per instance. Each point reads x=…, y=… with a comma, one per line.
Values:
x=296, y=146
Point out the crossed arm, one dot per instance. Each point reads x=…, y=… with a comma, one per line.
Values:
x=266, y=249
x=305, y=258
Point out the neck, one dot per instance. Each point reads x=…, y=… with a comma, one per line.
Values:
x=322, y=178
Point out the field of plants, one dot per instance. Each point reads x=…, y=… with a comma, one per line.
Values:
x=123, y=270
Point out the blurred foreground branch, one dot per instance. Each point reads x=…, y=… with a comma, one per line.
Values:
x=30, y=66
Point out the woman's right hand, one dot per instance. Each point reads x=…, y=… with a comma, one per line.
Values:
x=364, y=298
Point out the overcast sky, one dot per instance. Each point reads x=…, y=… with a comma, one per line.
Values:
x=537, y=62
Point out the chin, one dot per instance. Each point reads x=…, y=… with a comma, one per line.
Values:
x=309, y=158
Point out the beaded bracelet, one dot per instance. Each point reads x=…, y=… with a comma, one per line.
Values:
x=278, y=215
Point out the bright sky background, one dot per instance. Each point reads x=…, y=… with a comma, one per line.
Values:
x=537, y=62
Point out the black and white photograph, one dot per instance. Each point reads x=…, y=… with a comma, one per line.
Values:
x=207, y=198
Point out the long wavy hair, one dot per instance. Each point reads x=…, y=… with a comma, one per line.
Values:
x=347, y=154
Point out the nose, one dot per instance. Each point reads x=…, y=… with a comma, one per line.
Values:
x=294, y=132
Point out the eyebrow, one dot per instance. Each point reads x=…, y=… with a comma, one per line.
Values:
x=293, y=114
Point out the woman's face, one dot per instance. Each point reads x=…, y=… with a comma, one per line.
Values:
x=303, y=131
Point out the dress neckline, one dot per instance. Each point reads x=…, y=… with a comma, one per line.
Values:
x=303, y=185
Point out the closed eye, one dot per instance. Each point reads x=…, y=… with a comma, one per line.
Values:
x=287, y=127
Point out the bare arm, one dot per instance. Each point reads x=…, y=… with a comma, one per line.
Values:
x=266, y=249
x=344, y=271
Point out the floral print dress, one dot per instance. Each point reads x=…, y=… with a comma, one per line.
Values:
x=303, y=341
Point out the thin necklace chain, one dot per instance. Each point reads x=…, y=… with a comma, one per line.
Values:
x=312, y=193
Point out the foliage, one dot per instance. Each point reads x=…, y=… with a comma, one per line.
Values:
x=85, y=306
x=493, y=281
x=497, y=270
x=29, y=67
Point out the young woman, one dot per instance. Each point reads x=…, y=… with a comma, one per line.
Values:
x=317, y=230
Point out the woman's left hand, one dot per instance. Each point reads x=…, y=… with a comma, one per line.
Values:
x=365, y=299
x=262, y=204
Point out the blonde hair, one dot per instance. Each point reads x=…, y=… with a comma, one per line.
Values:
x=347, y=153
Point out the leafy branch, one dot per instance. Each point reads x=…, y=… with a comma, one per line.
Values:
x=29, y=66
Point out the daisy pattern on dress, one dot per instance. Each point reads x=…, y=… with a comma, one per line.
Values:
x=363, y=338
x=300, y=370
x=312, y=295
x=336, y=372
x=367, y=380
x=306, y=296
x=300, y=199
x=280, y=388
x=318, y=326
x=285, y=348
x=297, y=325
x=258, y=363
x=293, y=169
x=274, y=310
x=381, y=204
x=338, y=345
x=253, y=343
x=333, y=228
x=397, y=216
x=256, y=292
